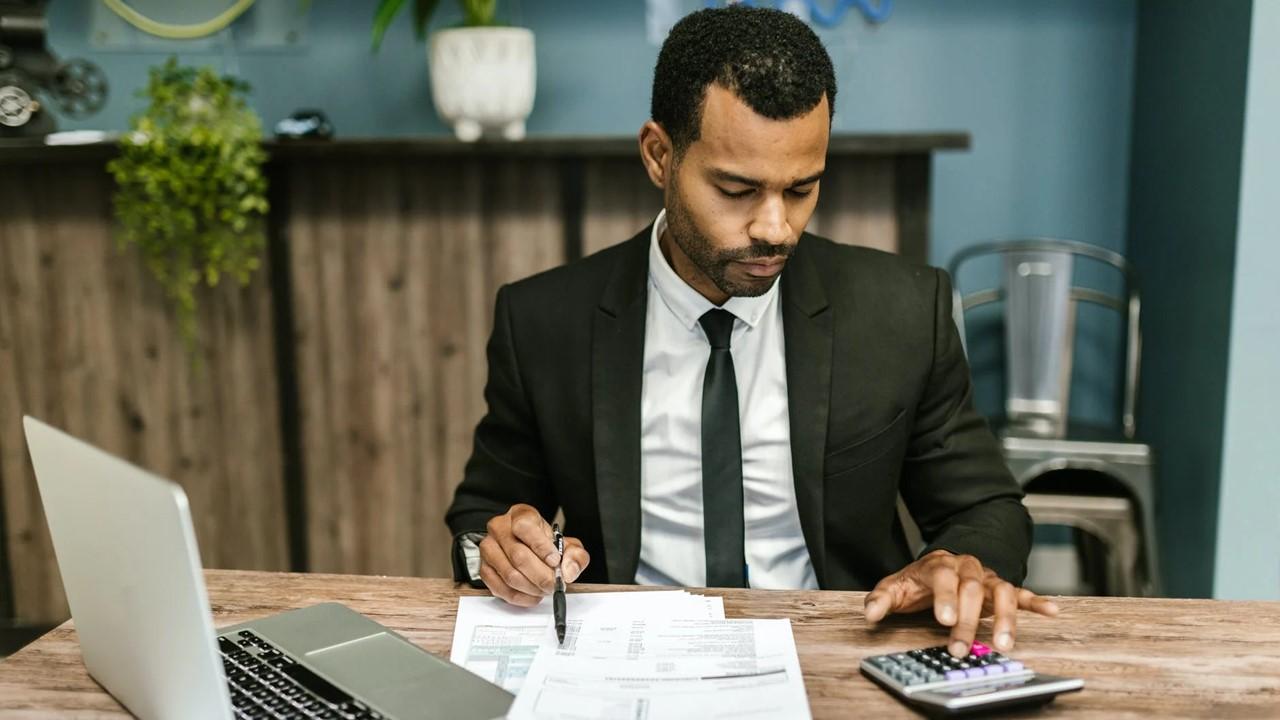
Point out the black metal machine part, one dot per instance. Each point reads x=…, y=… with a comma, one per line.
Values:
x=32, y=78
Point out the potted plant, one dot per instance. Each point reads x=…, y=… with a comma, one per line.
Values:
x=483, y=74
x=190, y=191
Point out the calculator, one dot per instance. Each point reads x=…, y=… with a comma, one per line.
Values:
x=940, y=684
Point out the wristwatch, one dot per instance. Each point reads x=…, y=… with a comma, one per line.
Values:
x=466, y=557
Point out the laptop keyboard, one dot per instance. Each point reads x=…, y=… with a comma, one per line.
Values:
x=268, y=684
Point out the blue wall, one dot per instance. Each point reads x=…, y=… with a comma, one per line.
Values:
x=1044, y=86
x=1249, y=515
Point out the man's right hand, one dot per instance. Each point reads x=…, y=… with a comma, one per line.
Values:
x=518, y=557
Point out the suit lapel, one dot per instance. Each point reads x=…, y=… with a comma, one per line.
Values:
x=806, y=327
x=617, y=370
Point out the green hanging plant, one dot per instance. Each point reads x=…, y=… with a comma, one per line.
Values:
x=191, y=194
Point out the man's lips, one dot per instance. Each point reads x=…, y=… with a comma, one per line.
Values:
x=763, y=268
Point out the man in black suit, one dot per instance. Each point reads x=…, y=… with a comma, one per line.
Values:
x=725, y=400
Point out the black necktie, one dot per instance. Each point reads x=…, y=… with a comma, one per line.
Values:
x=722, y=459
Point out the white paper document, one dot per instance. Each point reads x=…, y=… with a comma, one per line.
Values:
x=650, y=667
x=498, y=641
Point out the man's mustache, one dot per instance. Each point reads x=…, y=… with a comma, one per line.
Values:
x=760, y=251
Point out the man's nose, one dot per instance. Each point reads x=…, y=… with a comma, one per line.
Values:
x=769, y=225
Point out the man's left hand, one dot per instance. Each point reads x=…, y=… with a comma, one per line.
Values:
x=961, y=591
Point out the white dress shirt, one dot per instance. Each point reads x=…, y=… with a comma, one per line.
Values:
x=675, y=359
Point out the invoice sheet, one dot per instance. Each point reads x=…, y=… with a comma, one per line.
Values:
x=647, y=667
x=498, y=641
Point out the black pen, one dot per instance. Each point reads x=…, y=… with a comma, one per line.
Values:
x=557, y=598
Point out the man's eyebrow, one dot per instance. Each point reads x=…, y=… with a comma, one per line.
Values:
x=809, y=180
x=726, y=176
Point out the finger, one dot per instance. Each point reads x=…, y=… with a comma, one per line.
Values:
x=945, y=583
x=531, y=566
x=501, y=590
x=1028, y=600
x=882, y=599
x=1004, y=600
x=968, y=606
x=576, y=559
x=531, y=529
x=541, y=578
x=497, y=554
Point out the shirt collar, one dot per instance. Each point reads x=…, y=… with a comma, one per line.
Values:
x=687, y=304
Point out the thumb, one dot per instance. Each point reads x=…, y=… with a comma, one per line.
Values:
x=875, y=607
x=881, y=601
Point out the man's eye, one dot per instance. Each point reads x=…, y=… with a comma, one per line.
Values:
x=739, y=194
x=800, y=193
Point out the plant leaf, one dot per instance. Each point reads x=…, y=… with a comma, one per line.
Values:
x=382, y=17
x=422, y=12
x=479, y=13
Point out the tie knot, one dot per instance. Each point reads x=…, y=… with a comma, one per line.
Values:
x=718, y=325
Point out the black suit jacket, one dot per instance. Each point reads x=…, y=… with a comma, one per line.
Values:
x=879, y=396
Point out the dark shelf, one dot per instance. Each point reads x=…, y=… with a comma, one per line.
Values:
x=25, y=152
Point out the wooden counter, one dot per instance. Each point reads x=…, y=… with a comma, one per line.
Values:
x=332, y=412
x=1140, y=658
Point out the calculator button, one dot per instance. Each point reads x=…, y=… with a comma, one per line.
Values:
x=1013, y=666
x=956, y=675
x=974, y=672
x=994, y=669
x=979, y=649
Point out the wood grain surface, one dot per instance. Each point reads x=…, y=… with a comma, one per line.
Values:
x=88, y=343
x=1139, y=657
x=394, y=270
x=868, y=200
x=334, y=410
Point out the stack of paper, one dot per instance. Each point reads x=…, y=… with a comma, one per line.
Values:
x=498, y=641
x=633, y=655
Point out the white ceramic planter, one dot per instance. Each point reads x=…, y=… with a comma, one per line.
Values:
x=483, y=80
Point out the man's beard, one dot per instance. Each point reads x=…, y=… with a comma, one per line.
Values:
x=715, y=263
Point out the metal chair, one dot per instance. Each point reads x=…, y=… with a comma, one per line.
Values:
x=1109, y=520
x=1040, y=299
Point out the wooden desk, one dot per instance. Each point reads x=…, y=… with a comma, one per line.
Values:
x=1139, y=657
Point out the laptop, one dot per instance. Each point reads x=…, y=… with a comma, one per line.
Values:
x=127, y=552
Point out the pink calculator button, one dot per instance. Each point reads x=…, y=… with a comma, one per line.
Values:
x=979, y=649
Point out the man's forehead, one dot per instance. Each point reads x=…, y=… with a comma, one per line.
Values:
x=736, y=139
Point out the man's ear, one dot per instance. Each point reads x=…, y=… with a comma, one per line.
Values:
x=657, y=153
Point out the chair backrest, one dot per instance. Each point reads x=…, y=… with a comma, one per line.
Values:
x=1039, y=332
x=1040, y=301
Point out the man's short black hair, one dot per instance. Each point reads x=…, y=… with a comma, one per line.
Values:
x=768, y=58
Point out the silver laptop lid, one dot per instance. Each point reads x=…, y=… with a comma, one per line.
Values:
x=127, y=552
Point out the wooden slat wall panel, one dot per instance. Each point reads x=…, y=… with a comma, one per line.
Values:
x=857, y=202
x=87, y=343
x=395, y=268
x=619, y=202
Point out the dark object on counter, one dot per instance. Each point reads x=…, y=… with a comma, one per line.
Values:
x=29, y=72
x=308, y=124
